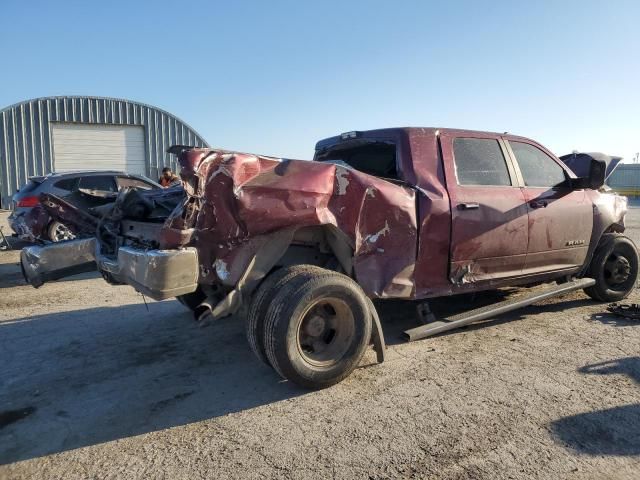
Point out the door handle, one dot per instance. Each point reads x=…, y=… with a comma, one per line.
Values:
x=468, y=206
x=538, y=204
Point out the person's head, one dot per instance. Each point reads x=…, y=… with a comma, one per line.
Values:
x=167, y=173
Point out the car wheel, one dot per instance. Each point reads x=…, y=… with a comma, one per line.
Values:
x=614, y=268
x=254, y=321
x=317, y=328
x=59, y=232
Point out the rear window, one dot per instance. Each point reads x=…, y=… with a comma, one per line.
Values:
x=479, y=161
x=376, y=158
x=67, y=184
x=105, y=183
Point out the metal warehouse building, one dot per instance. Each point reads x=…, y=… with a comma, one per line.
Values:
x=625, y=179
x=50, y=134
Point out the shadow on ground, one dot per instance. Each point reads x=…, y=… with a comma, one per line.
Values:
x=398, y=316
x=74, y=379
x=616, y=320
x=610, y=431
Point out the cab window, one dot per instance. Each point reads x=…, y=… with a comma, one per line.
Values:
x=128, y=182
x=538, y=169
x=104, y=183
x=373, y=157
x=480, y=161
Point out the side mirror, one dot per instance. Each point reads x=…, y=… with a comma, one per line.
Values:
x=595, y=179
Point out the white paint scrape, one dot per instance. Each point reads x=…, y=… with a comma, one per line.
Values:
x=374, y=237
x=221, y=269
x=342, y=179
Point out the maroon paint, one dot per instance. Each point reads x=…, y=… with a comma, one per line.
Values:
x=245, y=198
x=489, y=242
x=432, y=264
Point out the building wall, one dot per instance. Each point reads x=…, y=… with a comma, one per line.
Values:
x=625, y=179
x=25, y=134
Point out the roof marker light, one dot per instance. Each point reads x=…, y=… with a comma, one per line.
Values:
x=348, y=135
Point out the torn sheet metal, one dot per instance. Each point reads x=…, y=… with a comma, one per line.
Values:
x=243, y=200
x=30, y=225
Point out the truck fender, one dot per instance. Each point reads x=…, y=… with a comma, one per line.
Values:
x=377, y=335
x=273, y=249
x=608, y=217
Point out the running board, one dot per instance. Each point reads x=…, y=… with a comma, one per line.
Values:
x=494, y=310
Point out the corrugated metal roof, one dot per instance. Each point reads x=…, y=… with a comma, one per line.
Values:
x=25, y=134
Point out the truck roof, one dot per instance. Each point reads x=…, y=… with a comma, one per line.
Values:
x=398, y=132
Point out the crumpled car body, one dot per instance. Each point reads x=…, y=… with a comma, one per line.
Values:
x=245, y=200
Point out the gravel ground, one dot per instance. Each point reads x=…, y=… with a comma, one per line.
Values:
x=96, y=385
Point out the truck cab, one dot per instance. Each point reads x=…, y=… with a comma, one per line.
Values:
x=491, y=208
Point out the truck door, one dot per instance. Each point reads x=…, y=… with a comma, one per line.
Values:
x=560, y=219
x=489, y=225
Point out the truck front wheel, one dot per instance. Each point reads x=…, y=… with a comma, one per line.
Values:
x=614, y=268
x=317, y=328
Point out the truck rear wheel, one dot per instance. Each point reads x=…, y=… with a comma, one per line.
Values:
x=317, y=328
x=614, y=268
x=254, y=322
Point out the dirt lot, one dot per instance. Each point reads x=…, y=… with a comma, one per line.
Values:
x=95, y=385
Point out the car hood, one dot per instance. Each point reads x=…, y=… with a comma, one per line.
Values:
x=579, y=162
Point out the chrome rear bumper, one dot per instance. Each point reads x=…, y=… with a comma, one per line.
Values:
x=159, y=274
x=41, y=264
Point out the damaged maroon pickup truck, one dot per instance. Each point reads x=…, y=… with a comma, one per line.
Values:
x=406, y=213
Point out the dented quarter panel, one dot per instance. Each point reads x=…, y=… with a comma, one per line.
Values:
x=247, y=199
x=77, y=220
x=31, y=225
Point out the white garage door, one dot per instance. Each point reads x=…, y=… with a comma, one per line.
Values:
x=78, y=146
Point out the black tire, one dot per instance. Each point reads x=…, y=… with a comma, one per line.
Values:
x=614, y=268
x=254, y=321
x=193, y=299
x=317, y=328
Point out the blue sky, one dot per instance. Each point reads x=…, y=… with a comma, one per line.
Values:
x=275, y=76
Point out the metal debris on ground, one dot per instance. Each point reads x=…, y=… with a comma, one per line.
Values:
x=4, y=243
x=626, y=310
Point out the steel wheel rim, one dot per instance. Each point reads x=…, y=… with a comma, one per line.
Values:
x=62, y=233
x=617, y=271
x=326, y=332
